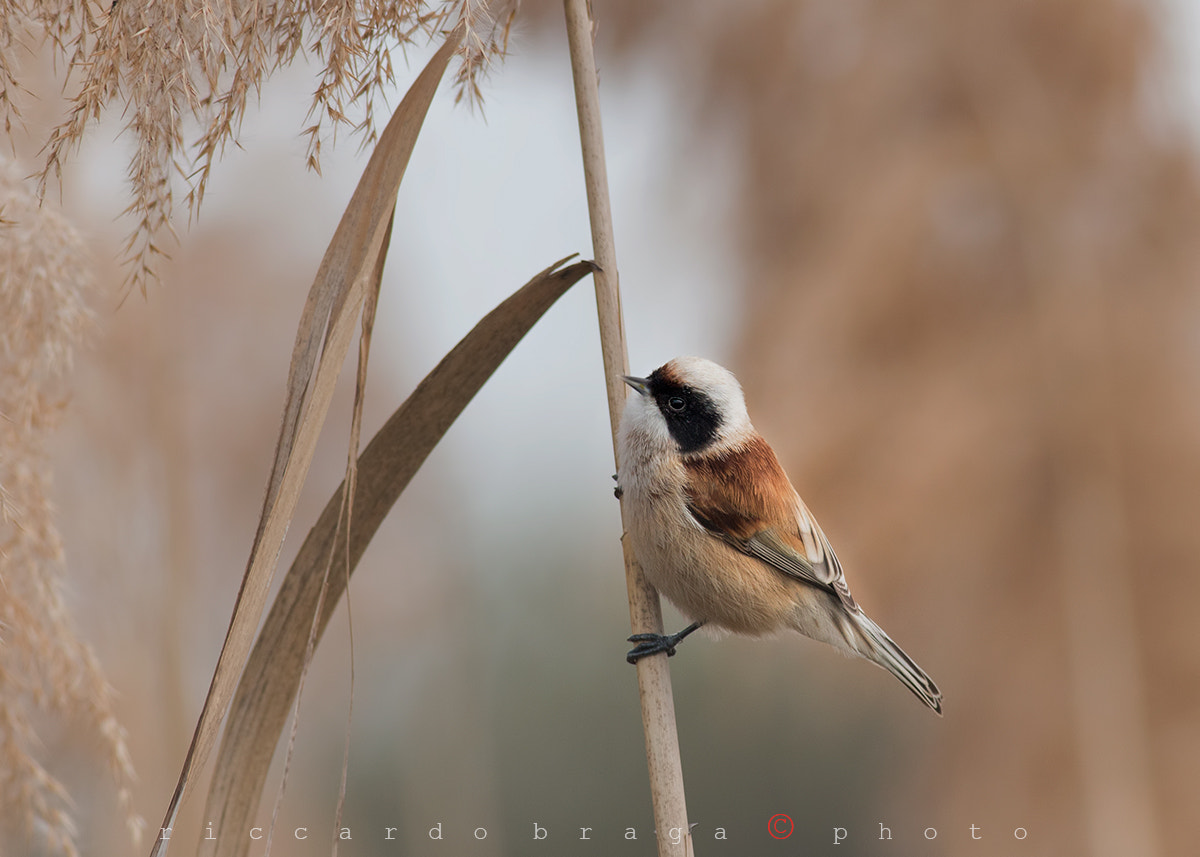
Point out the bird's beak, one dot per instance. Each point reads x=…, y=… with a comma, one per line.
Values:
x=639, y=384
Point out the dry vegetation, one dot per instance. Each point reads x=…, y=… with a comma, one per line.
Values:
x=46, y=671
x=954, y=216
x=169, y=66
x=174, y=63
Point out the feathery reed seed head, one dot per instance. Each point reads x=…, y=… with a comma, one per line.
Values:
x=44, y=667
x=171, y=62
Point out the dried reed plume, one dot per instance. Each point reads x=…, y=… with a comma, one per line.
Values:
x=168, y=62
x=45, y=669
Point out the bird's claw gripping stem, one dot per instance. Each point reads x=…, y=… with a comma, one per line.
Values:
x=652, y=644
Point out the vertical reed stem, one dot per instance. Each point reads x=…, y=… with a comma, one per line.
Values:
x=645, y=612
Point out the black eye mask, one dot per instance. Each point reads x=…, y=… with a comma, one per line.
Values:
x=692, y=417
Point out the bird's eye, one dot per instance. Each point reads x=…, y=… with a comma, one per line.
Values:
x=676, y=403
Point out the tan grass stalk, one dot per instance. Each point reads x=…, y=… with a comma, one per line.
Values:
x=272, y=676
x=322, y=342
x=645, y=610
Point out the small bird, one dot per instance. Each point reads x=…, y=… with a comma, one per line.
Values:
x=720, y=531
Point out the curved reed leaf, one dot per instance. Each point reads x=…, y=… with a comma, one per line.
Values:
x=268, y=685
x=322, y=340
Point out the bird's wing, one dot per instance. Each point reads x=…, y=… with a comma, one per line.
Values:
x=790, y=557
x=744, y=498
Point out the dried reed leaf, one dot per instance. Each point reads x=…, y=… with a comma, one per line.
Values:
x=329, y=314
x=349, y=485
x=272, y=675
x=343, y=522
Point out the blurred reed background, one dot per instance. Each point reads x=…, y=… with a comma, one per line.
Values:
x=949, y=248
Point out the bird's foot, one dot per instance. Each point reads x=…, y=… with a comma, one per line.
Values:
x=652, y=644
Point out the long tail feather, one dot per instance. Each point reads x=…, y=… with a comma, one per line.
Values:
x=882, y=650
